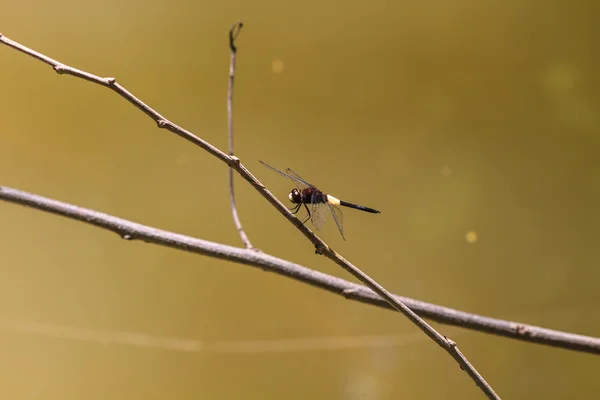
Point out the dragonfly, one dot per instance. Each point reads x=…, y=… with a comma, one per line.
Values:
x=305, y=194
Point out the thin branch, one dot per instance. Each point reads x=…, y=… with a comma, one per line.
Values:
x=162, y=122
x=234, y=162
x=352, y=291
x=233, y=34
x=445, y=343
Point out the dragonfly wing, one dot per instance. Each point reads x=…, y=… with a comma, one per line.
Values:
x=338, y=217
x=300, y=183
x=295, y=178
x=318, y=215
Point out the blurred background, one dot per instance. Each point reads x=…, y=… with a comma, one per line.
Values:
x=473, y=126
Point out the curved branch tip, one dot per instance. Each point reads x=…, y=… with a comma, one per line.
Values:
x=234, y=33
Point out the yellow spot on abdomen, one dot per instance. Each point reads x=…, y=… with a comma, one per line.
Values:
x=333, y=200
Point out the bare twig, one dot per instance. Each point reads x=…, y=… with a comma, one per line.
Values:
x=352, y=291
x=234, y=162
x=233, y=34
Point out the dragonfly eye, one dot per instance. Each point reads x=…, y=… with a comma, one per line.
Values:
x=294, y=196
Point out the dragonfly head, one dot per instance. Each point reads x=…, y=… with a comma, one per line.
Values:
x=295, y=196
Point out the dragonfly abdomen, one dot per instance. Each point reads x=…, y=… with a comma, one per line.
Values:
x=357, y=207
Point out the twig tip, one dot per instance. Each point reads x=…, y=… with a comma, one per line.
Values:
x=234, y=32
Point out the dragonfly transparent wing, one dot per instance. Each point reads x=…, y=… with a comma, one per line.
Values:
x=338, y=217
x=318, y=215
x=295, y=177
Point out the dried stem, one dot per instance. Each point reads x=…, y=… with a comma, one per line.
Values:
x=233, y=34
x=352, y=291
x=233, y=162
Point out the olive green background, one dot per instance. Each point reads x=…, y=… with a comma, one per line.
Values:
x=473, y=126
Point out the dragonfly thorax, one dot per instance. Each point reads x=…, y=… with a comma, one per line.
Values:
x=309, y=195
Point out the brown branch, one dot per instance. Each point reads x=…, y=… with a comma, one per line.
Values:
x=352, y=291
x=234, y=162
x=233, y=34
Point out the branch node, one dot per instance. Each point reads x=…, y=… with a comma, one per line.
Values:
x=320, y=249
x=234, y=159
x=126, y=236
x=162, y=123
x=60, y=69
x=522, y=330
x=349, y=292
x=111, y=80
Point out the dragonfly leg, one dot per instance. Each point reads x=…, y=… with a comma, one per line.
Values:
x=295, y=209
x=307, y=216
